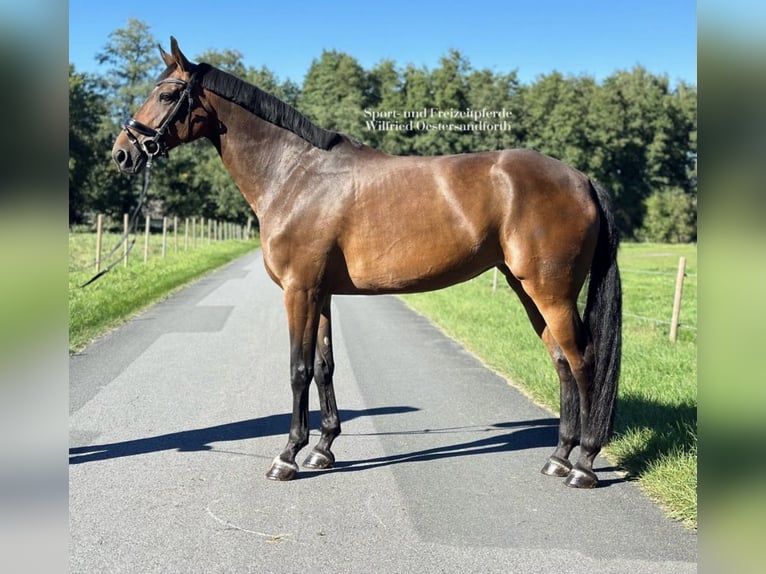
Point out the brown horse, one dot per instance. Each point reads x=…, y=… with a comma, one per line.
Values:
x=338, y=217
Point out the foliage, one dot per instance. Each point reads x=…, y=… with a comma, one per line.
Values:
x=671, y=217
x=86, y=110
x=633, y=131
x=333, y=93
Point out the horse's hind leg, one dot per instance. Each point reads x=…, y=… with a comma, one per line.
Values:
x=569, y=422
x=573, y=354
x=324, y=366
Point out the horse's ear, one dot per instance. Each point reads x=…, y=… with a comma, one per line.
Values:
x=178, y=57
x=167, y=58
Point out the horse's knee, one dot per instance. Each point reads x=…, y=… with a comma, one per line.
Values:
x=300, y=374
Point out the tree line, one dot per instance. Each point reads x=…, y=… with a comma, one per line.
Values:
x=633, y=131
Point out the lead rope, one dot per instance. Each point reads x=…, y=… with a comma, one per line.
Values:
x=128, y=232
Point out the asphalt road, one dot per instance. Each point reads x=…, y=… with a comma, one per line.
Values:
x=175, y=417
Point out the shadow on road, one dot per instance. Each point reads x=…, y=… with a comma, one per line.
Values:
x=201, y=439
x=527, y=434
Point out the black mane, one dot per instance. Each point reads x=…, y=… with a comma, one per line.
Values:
x=266, y=106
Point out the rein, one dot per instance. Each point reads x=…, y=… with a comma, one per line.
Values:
x=128, y=232
x=151, y=147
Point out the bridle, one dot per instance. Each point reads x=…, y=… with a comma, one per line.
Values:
x=153, y=145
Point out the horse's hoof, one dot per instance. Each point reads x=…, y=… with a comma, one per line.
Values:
x=319, y=459
x=579, y=478
x=281, y=470
x=557, y=467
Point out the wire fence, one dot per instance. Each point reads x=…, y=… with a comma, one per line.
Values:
x=674, y=322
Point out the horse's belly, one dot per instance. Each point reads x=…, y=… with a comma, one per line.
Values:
x=415, y=267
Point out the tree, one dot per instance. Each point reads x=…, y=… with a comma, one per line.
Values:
x=496, y=93
x=449, y=93
x=229, y=61
x=86, y=108
x=131, y=55
x=641, y=138
x=386, y=94
x=554, y=118
x=671, y=217
x=334, y=93
x=418, y=98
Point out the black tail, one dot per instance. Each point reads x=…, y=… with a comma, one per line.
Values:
x=603, y=318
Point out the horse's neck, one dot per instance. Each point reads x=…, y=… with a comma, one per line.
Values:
x=259, y=156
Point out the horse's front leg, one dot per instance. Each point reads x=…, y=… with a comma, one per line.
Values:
x=321, y=456
x=302, y=317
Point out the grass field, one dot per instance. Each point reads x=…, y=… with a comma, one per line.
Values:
x=125, y=291
x=656, y=424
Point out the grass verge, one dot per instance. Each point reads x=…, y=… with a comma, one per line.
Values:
x=125, y=291
x=656, y=425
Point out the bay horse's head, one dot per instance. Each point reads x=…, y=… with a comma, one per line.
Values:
x=172, y=114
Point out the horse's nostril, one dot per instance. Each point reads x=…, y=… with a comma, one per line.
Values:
x=120, y=156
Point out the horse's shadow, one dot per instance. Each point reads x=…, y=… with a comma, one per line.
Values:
x=201, y=439
x=527, y=434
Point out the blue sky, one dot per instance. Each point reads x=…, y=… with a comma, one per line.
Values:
x=594, y=37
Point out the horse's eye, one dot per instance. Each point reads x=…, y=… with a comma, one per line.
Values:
x=167, y=96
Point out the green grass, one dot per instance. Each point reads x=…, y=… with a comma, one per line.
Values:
x=125, y=291
x=656, y=426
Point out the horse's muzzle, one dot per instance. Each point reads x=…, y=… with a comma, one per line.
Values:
x=128, y=160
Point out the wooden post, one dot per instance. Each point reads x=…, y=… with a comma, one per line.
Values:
x=186, y=234
x=194, y=232
x=494, y=280
x=677, y=299
x=201, y=231
x=99, y=239
x=209, y=231
x=164, y=236
x=146, y=241
x=126, y=229
x=175, y=233
x=249, y=227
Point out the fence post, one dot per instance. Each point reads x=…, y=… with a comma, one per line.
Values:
x=175, y=233
x=164, y=235
x=125, y=230
x=249, y=227
x=201, y=231
x=186, y=234
x=99, y=239
x=677, y=299
x=146, y=241
x=494, y=280
x=194, y=232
